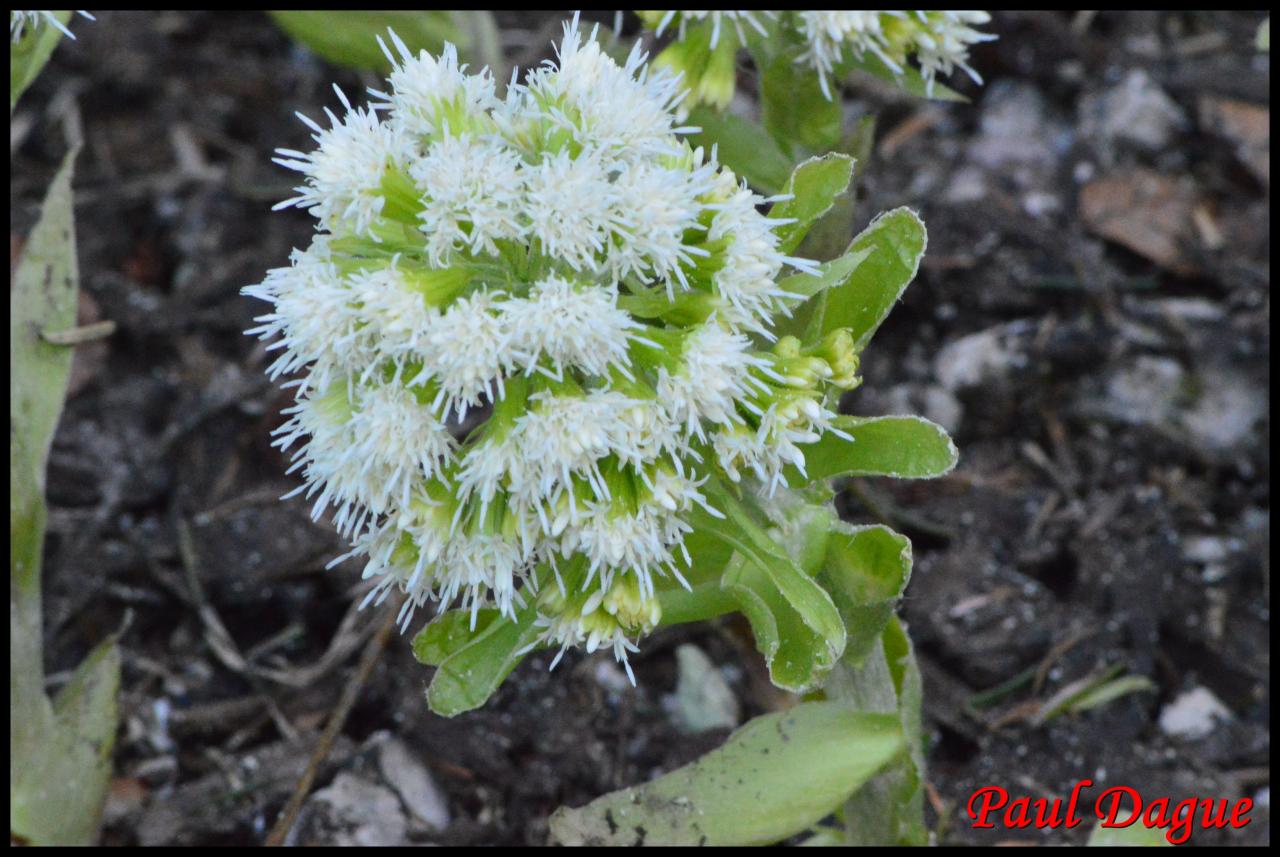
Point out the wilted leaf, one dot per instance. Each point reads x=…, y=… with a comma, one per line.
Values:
x=1148, y=212
x=774, y=777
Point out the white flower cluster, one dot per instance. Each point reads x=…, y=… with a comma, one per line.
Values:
x=560, y=262
x=939, y=41
x=19, y=21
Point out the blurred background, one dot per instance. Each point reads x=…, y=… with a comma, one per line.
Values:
x=1091, y=323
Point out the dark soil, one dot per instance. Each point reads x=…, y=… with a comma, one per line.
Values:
x=1111, y=507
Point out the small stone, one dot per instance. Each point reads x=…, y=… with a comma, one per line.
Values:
x=405, y=773
x=968, y=184
x=1193, y=714
x=1226, y=412
x=351, y=811
x=1208, y=549
x=1135, y=111
x=703, y=699
x=974, y=359
x=1145, y=391
x=1014, y=128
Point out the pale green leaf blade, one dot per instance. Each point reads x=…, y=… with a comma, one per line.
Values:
x=448, y=632
x=42, y=298
x=888, y=809
x=58, y=799
x=350, y=38
x=1112, y=690
x=59, y=754
x=469, y=675
x=773, y=778
x=814, y=187
x=796, y=624
x=865, y=569
x=896, y=240
x=901, y=447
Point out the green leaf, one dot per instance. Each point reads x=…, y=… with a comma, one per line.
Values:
x=59, y=753
x=909, y=79
x=473, y=664
x=901, y=447
x=896, y=242
x=58, y=783
x=43, y=298
x=773, y=778
x=351, y=38
x=29, y=55
x=865, y=570
x=814, y=187
x=448, y=632
x=1090, y=692
x=742, y=146
x=469, y=674
x=830, y=275
x=794, y=109
x=795, y=623
x=888, y=809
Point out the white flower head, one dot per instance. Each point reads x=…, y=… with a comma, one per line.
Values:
x=364, y=450
x=570, y=325
x=753, y=19
x=714, y=374
x=524, y=324
x=434, y=96
x=344, y=175
x=622, y=110
x=463, y=354
x=473, y=194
